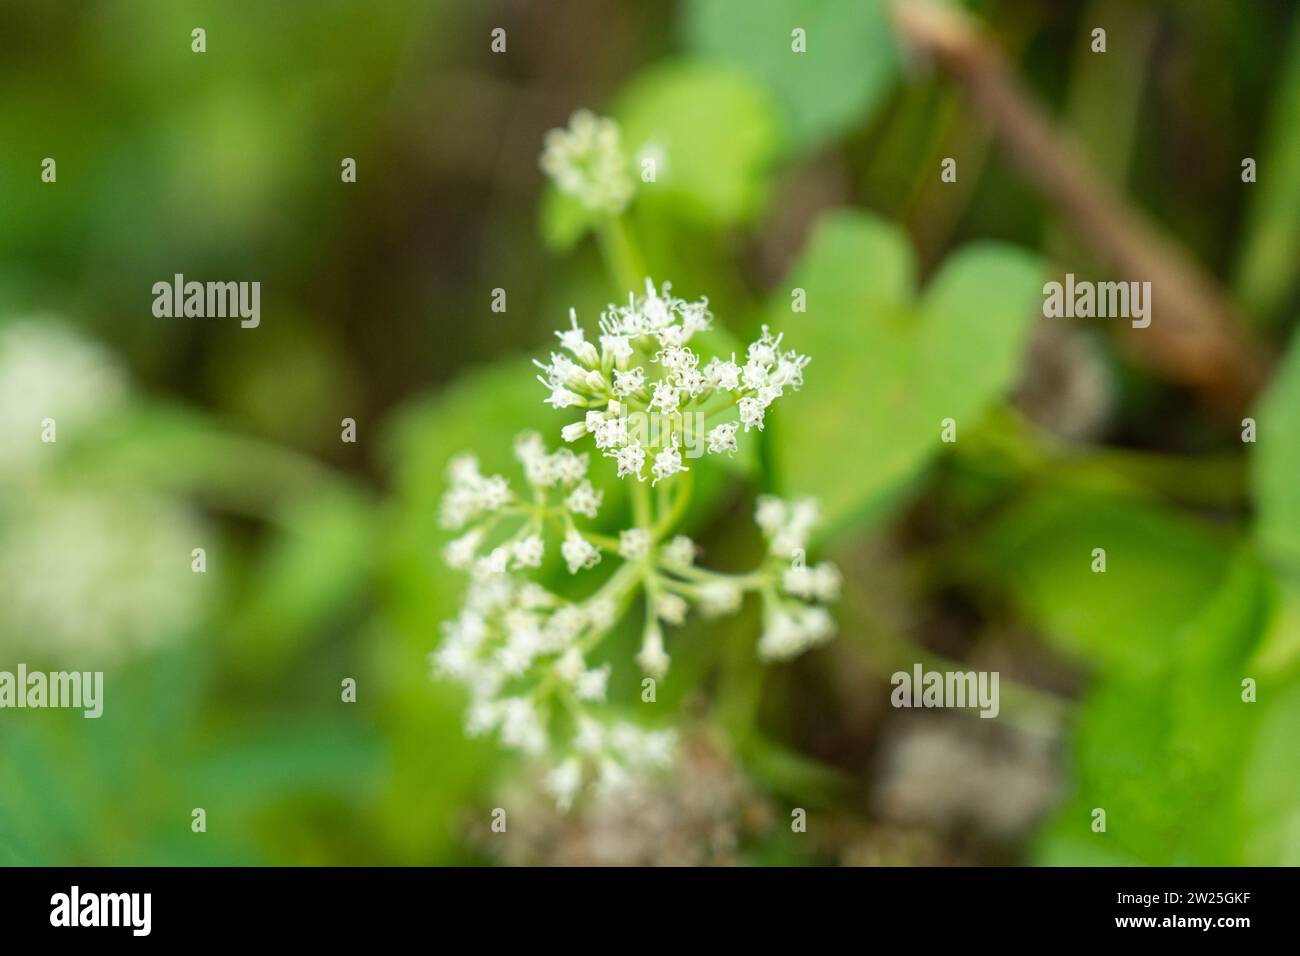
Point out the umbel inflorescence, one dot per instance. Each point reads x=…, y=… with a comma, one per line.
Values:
x=638, y=399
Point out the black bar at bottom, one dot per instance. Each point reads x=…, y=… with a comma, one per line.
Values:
x=334, y=906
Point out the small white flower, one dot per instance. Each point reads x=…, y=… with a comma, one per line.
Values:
x=532, y=596
x=611, y=433
x=529, y=552
x=633, y=544
x=817, y=624
x=826, y=583
x=751, y=412
x=564, y=627
x=681, y=550
x=719, y=597
x=584, y=500
x=677, y=358
x=576, y=342
x=782, y=637
x=788, y=633
x=722, y=375
x=561, y=397
x=630, y=459
x=671, y=608
x=521, y=728
x=793, y=535
x=495, y=562
x=798, y=581
x=482, y=718
x=657, y=748
x=667, y=463
x=590, y=738
x=619, y=347
x=568, y=467
x=520, y=648
x=651, y=657
x=563, y=783
x=763, y=350
x=570, y=667
x=463, y=470
x=722, y=438
x=666, y=397
x=591, y=686
x=754, y=376
x=459, y=554
x=573, y=431
x=578, y=552
x=629, y=381
x=770, y=514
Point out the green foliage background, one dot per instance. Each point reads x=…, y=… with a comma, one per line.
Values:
x=817, y=171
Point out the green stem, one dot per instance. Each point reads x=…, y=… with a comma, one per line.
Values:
x=622, y=257
x=667, y=521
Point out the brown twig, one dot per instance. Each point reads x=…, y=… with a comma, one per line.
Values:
x=1194, y=337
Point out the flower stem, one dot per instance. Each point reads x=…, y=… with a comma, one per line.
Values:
x=622, y=257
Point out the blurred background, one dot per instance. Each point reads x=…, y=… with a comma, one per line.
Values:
x=821, y=171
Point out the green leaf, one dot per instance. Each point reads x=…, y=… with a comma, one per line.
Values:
x=715, y=137
x=1266, y=272
x=1160, y=569
x=849, y=63
x=277, y=760
x=1270, y=796
x=563, y=219
x=314, y=571
x=1163, y=753
x=1275, y=464
x=888, y=367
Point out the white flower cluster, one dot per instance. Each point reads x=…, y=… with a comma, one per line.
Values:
x=482, y=501
x=97, y=574
x=646, y=391
x=87, y=572
x=49, y=371
x=586, y=161
x=524, y=653
x=521, y=650
x=792, y=624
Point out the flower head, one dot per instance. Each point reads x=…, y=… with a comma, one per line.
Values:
x=648, y=394
x=586, y=161
x=642, y=391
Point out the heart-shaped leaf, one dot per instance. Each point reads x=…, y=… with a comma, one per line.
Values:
x=888, y=367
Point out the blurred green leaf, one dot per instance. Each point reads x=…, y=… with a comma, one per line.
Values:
x=714, y=137
x=1270, y=252
x=313, y=571
x=1164, y=753
x=849, y=63
x=876, y=348
x=563, y=220
x=1159, y=570
x=1270, y=786
x=246, y=771
x=1275, y=465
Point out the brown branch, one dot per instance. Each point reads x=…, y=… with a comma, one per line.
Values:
x=1195, y=337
